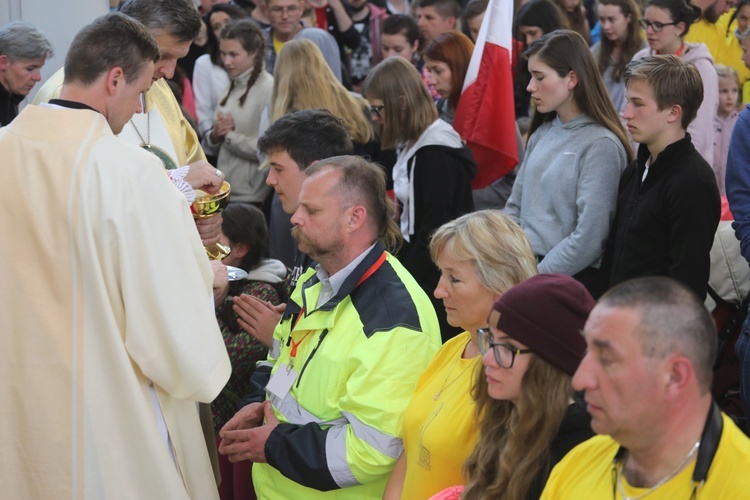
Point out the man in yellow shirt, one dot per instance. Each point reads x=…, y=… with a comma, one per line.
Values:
x=711, y=27
x=285, y=17
x=647, y=378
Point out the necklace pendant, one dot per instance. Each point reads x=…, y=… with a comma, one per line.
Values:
x=437, y=396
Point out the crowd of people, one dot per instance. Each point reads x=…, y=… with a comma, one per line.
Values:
x=376, y=326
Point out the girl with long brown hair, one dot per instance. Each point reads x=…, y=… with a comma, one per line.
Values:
x=566, y=190
x=235, y=130
x=622, y=37
x=524, y=397
x=433, y=170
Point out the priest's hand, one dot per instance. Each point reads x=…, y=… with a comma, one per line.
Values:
x=248, y=444
x=209, y=228
x=258, y=317
x=201, y=175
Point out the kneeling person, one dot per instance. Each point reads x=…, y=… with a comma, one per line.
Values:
x=357, y=333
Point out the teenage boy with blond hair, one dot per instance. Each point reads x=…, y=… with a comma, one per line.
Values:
x=668, y=204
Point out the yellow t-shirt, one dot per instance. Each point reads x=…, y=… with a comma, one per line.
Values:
x=586, y=472
x=733, y=54
x=277, y=44
x=714, y=35
x=440, y=434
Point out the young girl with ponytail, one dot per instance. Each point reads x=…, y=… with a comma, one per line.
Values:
x=235, y=131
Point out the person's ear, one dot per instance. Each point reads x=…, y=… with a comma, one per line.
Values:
x=4, y=62
x=240, y=250
x=675, y=113
x=572, y=80
x=680, y=373
x=357, y=217
x=680, y=28
x=115, y=80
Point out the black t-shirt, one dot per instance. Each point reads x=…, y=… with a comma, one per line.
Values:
x=361, y=57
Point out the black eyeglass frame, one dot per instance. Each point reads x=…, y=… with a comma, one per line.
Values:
x=484, y=335
x=656, y=25
x=375, y=110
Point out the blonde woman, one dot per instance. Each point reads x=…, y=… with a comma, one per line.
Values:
x=480, y=255
x=316, y=86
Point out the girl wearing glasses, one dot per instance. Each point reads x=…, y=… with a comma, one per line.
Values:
x=480, y=255
x=666, y=23
x=622, y=37
x=433, y=170
x=524, y=395
x=566, y=189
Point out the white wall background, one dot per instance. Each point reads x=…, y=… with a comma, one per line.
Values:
x=59, y=20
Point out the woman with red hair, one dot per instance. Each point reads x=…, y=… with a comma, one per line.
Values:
x=447, y=59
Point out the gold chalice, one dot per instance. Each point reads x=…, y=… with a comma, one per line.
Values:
x=206, y=205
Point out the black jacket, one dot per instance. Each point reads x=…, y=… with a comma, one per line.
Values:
x=574, y=430
x=8, y=106
x=442, y=192
x=665, y=225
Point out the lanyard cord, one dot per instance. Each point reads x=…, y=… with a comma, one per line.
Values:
x=375, y=266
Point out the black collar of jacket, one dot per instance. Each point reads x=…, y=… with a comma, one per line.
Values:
x=8, y=96
x=350, y=284
x=666, y=158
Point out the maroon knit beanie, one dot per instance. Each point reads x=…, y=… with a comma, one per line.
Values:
x=547, y=314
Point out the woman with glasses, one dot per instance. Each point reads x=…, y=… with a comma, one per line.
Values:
x=433, y=170
x=622, y=37
x=666, y=23
x=480, y=255
x=524, y=397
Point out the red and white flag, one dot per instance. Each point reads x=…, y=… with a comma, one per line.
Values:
x=485, y=117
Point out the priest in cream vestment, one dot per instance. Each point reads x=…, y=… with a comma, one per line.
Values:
x=107, y=330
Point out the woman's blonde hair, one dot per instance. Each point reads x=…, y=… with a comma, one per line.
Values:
x=409, y=108
x=514, y=438
x=496, y=246
x=303, y=80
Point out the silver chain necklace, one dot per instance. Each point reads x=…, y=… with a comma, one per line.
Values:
x=147, y=143
x=165, y=158
x=666, y=478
